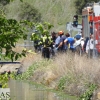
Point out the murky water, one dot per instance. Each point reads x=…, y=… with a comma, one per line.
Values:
x=25, y=91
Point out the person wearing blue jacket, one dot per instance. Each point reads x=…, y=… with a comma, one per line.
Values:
x=69, y=41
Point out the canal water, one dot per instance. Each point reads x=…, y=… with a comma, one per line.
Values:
x=26, y=91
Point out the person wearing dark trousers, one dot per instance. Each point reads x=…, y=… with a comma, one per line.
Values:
x=53, y=38
x=46, y=42
x=46, y=52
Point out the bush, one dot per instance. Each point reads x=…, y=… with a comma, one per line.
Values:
x=62, y=83
x=88, y=93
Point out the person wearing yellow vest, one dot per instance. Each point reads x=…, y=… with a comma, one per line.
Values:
x=46, y=42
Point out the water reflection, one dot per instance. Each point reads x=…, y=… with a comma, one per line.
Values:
x=25, y=91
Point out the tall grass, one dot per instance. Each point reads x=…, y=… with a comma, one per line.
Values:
x=75, y=72
x=79, y=72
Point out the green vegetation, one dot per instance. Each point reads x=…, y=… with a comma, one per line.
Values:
x=5, y=2
x=56, y=12
x=28, y=12
x=5, y=78
x=41, y=29
x=80, y=4
x=68, y=83
x=88, y=93
x=11, y=31
x=26, y=75
x=30, y=71
x=62, y=82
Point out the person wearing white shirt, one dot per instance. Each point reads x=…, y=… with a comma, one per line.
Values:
x=90, y=46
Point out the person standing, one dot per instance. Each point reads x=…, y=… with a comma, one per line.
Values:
x=53, y=37
x=90, y=46
x=69, y=41
x=59, y=43
x=46, y=43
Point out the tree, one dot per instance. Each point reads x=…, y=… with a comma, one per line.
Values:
x=10, y=32
x=80, y=4
x=41, y=29
x=29, y=13
x=5, y=2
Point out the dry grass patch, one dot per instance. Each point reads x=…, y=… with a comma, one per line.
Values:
x=79, y=72
x=75, y=72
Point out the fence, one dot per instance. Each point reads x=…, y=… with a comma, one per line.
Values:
x=27, y=44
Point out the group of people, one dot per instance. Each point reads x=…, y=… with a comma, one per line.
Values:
x=64, y=41
x=60, y=42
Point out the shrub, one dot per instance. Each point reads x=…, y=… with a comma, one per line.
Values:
x=88, y=93
x=62, y=83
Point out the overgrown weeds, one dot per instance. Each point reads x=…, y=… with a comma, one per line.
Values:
x=72, y=72
x=68, y=72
